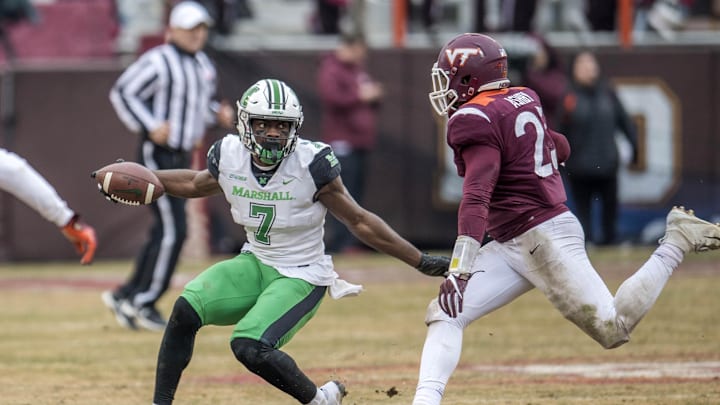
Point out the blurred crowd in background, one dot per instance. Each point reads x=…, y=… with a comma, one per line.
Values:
x=53, y=31
x=42, y=29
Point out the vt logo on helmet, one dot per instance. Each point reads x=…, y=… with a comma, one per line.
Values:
x=467, y=65
x=269, y=115
x=463, y=53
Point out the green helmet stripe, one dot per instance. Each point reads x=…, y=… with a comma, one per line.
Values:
x=283, y=96
x=275, y=98
x=248, y=93
x=269, y=95
x=277, y=87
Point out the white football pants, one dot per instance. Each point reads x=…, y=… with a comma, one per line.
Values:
x=552, y=258
x=18, y=178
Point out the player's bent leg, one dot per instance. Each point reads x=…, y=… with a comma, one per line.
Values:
x=275, y=367
x=684, y=233
x=175, y=350
x=558, y=265
x=281, y=310
x=493, y=285
x=636, y=295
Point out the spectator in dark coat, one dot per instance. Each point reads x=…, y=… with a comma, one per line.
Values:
x=350, y=100
x=590, y=117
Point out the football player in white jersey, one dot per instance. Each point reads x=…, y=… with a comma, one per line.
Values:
x=20, y=179
x=279, y=188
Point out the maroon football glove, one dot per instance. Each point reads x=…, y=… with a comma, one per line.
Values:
x=451, y=293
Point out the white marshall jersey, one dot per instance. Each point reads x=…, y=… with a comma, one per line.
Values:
x=283, y=221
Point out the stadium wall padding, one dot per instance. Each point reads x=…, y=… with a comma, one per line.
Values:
x=64, y=125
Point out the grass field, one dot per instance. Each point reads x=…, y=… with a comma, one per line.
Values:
x=59, y=345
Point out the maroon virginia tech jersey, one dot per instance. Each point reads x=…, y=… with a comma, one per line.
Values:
x=509, y=160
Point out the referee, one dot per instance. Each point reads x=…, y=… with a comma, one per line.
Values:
x=166, y=96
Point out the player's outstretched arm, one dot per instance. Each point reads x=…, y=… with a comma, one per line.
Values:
x=188, y=183
x=376, y=233
x=134, y=184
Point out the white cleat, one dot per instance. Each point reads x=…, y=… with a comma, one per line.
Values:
x=690, y=233
x=334, y=392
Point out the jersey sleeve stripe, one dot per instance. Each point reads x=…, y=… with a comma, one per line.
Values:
x=472, y=111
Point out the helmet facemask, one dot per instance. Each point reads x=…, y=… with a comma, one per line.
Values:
x=269, y=101
x=270, y=150
x=442, y=98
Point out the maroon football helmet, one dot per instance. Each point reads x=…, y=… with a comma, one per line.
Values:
x=467, y=65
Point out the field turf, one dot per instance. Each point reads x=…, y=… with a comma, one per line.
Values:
x=60, y=345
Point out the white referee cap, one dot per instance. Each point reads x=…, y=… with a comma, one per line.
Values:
x=188, y=15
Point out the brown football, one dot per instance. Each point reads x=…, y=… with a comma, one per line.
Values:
x=129, y=183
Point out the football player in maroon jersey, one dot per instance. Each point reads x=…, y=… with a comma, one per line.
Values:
x=512, y=190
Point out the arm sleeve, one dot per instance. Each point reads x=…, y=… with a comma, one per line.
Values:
x=324, y=168
x=482, y=167
x=562, y=146
x=130, y=93
x=469, y=126
x=213, y=159
x=476, y=145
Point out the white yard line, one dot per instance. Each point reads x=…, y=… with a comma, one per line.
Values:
x=646, y=370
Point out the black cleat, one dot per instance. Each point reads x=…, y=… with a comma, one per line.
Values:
x=149, y=318
x=115, y=305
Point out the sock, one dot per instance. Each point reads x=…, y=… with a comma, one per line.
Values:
x=319, y=398
x=440, y=356
x=175, y=350
x=671, y=255
x=275, y=367
x=638, y=293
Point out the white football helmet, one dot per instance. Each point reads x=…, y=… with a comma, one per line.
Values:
x=269, y=99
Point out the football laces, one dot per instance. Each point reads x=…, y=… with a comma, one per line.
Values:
x=124, y=201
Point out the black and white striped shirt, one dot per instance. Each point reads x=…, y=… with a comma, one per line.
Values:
x=167, y=84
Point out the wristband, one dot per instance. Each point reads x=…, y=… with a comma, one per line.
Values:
x=464, y=253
